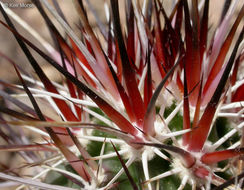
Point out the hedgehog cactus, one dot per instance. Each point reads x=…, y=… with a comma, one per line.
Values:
x=153, y=102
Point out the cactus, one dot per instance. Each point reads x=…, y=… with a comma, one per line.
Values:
x=152, y=102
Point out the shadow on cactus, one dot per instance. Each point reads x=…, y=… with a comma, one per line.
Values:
x=152, y=102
